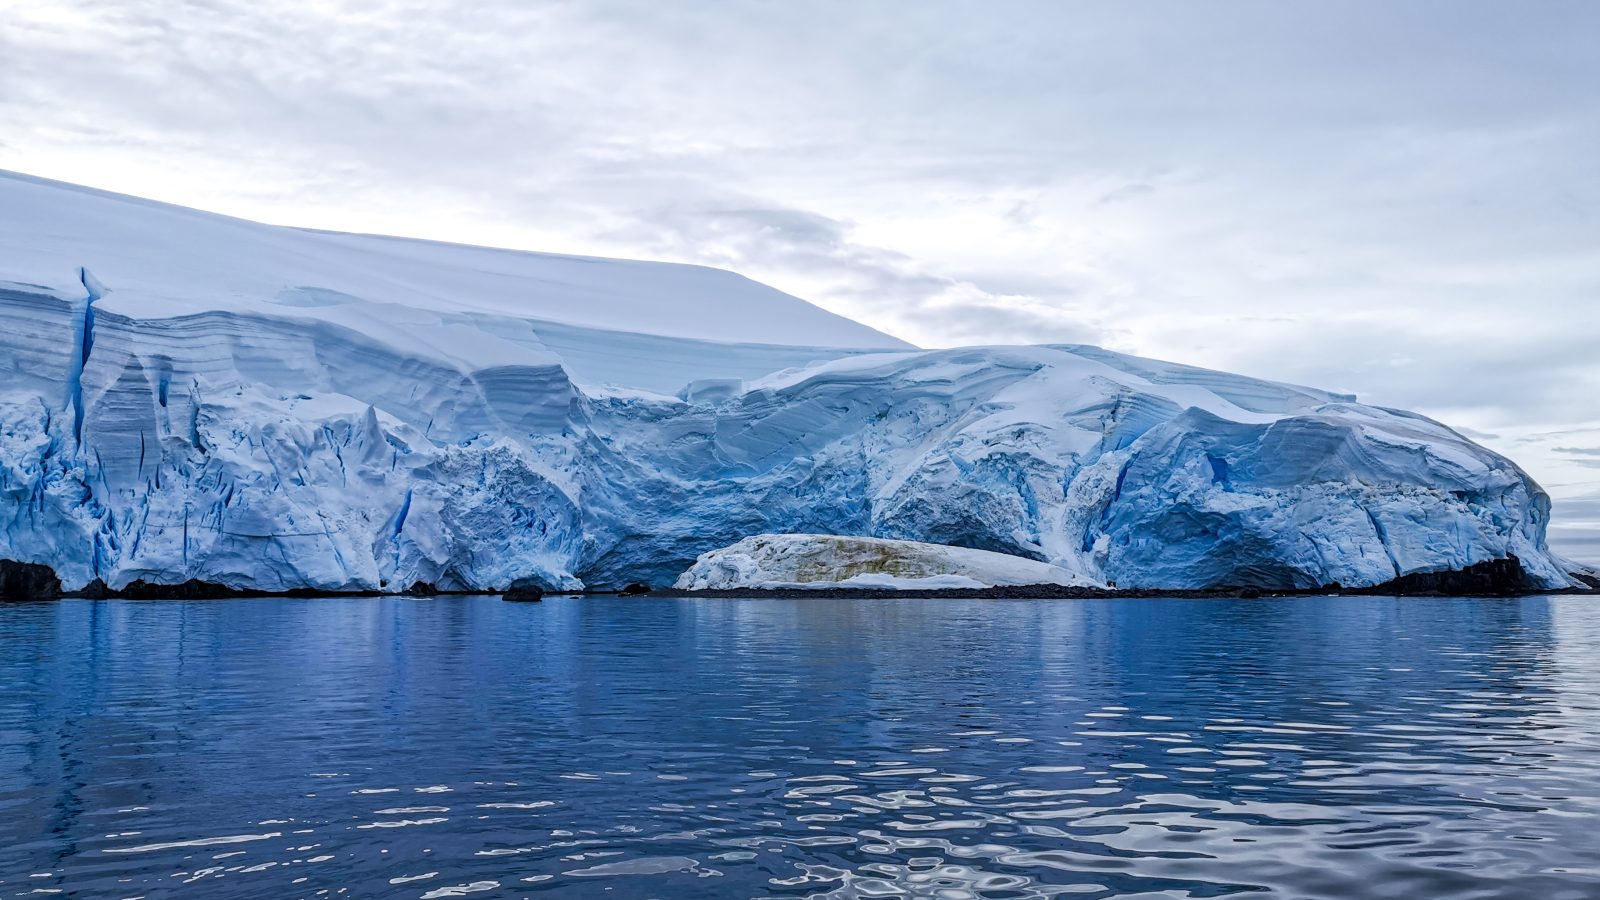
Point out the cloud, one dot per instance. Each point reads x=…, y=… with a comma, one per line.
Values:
x=1575, y=530
x=814, y=255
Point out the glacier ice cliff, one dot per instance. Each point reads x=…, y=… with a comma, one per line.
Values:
x=187, y=396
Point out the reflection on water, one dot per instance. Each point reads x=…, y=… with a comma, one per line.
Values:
x=1321, y=747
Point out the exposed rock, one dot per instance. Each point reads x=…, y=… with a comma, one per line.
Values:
x=524, y=592
x=27, y=581
x=94, y=590
x=192, y=589
x=635, y=589
x=1497, y=577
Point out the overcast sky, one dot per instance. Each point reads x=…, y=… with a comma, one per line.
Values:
x=1398, y=199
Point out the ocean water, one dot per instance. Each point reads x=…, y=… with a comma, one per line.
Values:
x=1333, y=747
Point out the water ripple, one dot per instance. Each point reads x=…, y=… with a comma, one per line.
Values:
x=464, y=747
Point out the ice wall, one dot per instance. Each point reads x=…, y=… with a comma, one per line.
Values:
x=188, y=396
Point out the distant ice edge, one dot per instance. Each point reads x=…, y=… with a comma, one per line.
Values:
x=278, y=451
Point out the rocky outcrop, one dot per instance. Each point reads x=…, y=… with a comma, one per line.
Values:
x=27, y=581
x=525, y=591
x=1495, y=577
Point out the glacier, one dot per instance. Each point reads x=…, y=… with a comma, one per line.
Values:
x=190, y=396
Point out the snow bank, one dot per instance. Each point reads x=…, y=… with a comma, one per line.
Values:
x=771, y=561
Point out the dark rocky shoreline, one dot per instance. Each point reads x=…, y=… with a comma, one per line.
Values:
x=1495, y=578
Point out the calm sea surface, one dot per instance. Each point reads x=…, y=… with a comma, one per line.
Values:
x=425, y=748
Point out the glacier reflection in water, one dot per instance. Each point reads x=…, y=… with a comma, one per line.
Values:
x=428, y=748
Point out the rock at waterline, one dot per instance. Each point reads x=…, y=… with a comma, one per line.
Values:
x=27, y=581
x=524, y=593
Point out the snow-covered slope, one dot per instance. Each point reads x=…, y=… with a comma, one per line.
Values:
x=811, y=561
x=465, y=307
x=190, y=396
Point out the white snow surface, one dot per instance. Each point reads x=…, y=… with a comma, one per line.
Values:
x=184, y=395
x=810, y=561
